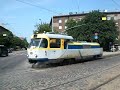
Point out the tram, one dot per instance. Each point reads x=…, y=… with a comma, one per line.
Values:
x=52, y=48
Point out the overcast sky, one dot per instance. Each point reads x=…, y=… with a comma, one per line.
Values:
x=20, y=16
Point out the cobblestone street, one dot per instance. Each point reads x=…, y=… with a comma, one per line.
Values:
x=16, y=74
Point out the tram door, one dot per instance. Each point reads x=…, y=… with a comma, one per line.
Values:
x=55, y=48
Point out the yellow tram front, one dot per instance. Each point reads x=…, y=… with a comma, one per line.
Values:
x=37, y=48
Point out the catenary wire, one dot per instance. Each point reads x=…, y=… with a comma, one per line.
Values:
x=116, y=3
x=37, y=6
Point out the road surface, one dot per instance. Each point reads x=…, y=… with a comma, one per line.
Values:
x=16, y=74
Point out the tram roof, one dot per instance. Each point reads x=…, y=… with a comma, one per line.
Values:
x=51, y=36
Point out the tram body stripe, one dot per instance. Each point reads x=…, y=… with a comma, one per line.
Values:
x=81, y=47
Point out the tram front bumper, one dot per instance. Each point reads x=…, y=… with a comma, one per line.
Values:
x=31, y=60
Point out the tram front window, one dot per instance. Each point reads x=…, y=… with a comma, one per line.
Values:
x=34, y=42
x=41, y=42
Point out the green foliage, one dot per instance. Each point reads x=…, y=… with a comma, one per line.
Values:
x=16, y=41
x=6, y=40
x=92, y=23
x=25, y=43
x=10, y=41
x=42, y=27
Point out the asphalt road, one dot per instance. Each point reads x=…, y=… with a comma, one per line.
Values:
x=16, y=74
x=12, y=61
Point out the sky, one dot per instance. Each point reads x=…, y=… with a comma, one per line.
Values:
x=21, y=16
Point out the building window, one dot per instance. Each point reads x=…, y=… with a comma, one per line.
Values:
x=74, y=19
x=65, y=20
x=116, y=23
x=116, y=14
x=112, y=18
x=115, y=18
x=60, y=27
x=60, y=21
x=65, y=27
x=108, y=18
x=80, y=19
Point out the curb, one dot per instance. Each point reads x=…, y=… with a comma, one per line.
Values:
x=111, y=55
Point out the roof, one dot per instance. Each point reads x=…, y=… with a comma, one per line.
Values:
x=52, y=36
x=2, y=29
x=59, y=36
x=80, y=14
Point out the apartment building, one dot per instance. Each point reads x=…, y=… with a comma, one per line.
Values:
x=58, y=22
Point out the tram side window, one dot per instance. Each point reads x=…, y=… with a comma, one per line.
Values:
x=55, y=43
x=44, y=43
x=65, y=43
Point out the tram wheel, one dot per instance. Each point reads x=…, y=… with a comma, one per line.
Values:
x=32, y=61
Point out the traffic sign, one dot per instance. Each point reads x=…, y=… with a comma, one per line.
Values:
x=96, y=37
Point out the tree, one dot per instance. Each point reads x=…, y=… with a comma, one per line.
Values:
x=92, y=23
x=10, y=41
x=17, y=42
x=42, y=27
x=26, y=43
x=5, y=38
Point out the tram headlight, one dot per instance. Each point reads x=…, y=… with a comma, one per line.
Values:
x=31, y=52
x=36, y=56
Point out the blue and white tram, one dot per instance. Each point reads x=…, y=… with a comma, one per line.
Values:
x=51, y=48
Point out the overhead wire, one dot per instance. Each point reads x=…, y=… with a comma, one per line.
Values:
x=38, y=6
x=78, y=5
x=116, y=3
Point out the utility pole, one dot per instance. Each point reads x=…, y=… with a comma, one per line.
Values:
x=52, y=24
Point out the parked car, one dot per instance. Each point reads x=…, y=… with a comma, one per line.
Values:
x=114, y=48
x=3, y=50
x=10, y=50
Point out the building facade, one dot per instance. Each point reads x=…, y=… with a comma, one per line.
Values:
x=58, y=22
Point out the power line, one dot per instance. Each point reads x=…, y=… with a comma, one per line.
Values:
x=78, y=5
x=37, y=6
x=116, y=3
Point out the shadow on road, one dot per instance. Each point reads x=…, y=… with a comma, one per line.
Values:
x=64, y=63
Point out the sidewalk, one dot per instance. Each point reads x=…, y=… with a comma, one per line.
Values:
x=107, y=54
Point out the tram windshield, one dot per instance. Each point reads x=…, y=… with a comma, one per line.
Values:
x=41, y=43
